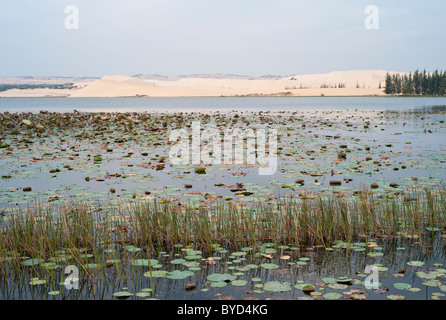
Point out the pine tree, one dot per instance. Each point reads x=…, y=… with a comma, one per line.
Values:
x=389, y=86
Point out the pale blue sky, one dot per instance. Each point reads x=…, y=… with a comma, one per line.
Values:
x=248, y=37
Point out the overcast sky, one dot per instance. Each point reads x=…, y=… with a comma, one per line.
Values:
x=247, y=37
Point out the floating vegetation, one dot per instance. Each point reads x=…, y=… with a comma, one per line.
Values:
x=135, y=226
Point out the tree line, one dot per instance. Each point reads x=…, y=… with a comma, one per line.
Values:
x=4, y=87
x=417, y=83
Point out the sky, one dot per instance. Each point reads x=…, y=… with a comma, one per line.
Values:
x=244, y=37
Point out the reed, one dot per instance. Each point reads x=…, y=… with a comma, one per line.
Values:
x=320, y=220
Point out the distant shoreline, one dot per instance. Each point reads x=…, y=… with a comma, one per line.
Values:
x=355, y=83
x=366, y=83
x=284, y=96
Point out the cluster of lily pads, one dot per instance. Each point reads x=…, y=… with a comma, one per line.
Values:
x=268, y=271
x=49, y=162
x=109, y=156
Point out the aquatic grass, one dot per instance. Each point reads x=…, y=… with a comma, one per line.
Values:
x=318, y=220
x=88, y=233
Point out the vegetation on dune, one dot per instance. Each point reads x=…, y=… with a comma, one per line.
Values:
x=4, y=87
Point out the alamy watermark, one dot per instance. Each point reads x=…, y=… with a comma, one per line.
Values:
x=72, y=18
x=372, y=280
x=371, y=22
x=72, y=281
x=206, y=147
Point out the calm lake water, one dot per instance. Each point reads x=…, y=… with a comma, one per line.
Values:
x=398, y=140
x=216, y=103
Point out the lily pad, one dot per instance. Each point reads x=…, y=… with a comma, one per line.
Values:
x=122, y=294
x=332, y=296
x=329, y=280
x=432, y=283
x=177, y=261
x=269, y=266
x=396, y=297
x=178, y=274
x=191, y=264
x=132, y=248
x=337, y=286
x=277, y=286
x=37, y=281
x=415, y=263
x=144, y=262
x=217, y=277
x=239, y=283
x=218, y=284
x=402, y=286
x=31, y=262
x=301, y=286
x=156, y=274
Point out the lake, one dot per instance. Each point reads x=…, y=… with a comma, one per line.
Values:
x=359, y=186
x=218, y=103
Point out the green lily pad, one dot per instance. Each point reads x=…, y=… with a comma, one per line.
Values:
x=269, y=266
x=332, y=296
x=301, y=286
x=31, y=262
x=344, y=280
x=402, y=286
x=193, y=257
x=277, y=286
x=425, y=275
x=415, y=263
x=329, y=280
x=396, y=297
x=132, y=248
x=143, y=294
x=218, y=284
x=156, y=274
x=177, y=261
x=122, y=294
x=337, y=286
x=217, y=277
x=144, y=262
x=191, y=264
x=37, y=281
x=238, y=254
x=375, y=254
x=239, y=283
x=50, y=265
x=432, y=283
x=178, y=274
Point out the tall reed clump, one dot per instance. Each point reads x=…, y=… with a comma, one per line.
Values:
x=321, y=219
x=44, y=232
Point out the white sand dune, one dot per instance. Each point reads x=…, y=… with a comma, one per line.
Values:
x=337, y=83
x=354, y=78
x=115, y=86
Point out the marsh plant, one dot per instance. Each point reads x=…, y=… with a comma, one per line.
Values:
x=110, y=245
x=75, y=228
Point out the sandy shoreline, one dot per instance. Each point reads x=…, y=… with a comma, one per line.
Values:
x=338, y=83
